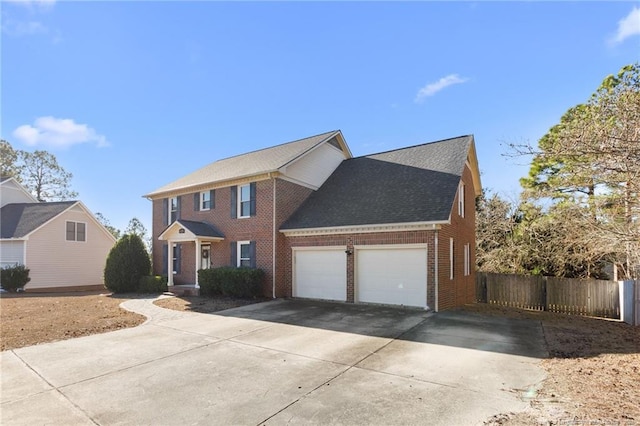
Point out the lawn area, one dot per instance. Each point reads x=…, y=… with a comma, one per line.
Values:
x=31, y=318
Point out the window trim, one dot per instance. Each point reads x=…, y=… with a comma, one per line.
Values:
x=75, y=231
x=175, y=260
x=467, y=258
x=451, y=259
x=240, y=201
x=239, y=259
x=461, y=199
x=172, y=215
x=204, y=194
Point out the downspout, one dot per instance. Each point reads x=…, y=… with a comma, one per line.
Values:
x=436, y=268
x=273, y=238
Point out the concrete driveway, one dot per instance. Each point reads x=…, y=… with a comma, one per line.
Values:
x=279, y=362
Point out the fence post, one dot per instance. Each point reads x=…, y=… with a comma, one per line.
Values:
x=630, y=301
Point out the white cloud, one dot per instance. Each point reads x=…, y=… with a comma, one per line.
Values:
x=33, y=4
x=433, y=88
x=20, y=28
x=58, y=133
x=628, y=26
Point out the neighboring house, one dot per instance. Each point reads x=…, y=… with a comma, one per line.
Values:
x=62, y=243
x=391, y=228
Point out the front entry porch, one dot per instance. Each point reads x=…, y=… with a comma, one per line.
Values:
x=180, y=235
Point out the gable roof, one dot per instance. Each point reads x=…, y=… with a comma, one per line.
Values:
x=11, y=183
x=201, y=229
x=195, y=230
x=246, y=165
x=20, y=219
x=409, y=185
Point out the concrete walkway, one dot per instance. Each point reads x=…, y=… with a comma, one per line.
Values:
x=279, y=362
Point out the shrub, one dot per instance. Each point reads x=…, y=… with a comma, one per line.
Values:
x=151, y=284
x=208, y=284
x=127, y=262
x=230, y=281
x=15, y=277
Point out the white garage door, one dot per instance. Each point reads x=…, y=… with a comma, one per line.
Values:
x=320, y=273
x=394, y=276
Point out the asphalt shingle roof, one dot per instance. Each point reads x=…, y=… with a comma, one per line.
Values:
x=19, y=219
x=415, y=184
x=250, y=164
x=201, y=229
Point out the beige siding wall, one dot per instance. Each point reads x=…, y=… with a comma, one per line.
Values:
x=11, y=193
x=56, y=262
x=314, y=168
x=11, y=252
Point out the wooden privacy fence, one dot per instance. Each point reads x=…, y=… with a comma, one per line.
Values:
x=596, y=298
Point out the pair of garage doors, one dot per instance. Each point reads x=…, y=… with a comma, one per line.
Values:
x=390, y=275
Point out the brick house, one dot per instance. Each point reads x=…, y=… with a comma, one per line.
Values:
x=393, y=228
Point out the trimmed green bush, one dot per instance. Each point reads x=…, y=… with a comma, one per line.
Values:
x=128, y=261
x=229, y=281
x=208, y=284
x=15, y=277
x=152, y=284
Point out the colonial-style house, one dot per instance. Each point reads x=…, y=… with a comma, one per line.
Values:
x=396, y=227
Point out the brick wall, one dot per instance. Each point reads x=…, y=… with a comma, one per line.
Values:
x=461, y=289
x=351, y=240
x=258, y=228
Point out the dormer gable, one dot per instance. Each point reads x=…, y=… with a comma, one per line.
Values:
x=11, y=192
x=314, y=167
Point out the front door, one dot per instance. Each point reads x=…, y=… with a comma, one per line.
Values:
x=206, y=257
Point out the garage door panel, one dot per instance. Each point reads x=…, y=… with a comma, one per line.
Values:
x=395, y=276
x=320, y=274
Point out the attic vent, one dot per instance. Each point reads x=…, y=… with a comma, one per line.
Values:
x=333, y=141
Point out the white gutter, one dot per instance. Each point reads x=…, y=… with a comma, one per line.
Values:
x=436, y=269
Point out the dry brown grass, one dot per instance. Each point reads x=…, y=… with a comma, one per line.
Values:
x=31, y=318
x=593, y=370
x=204, y=305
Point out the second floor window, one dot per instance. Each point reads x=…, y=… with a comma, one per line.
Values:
x=461, y=199
x=244, y=201
x=76, y=231
x=173, y=209
x=205, y=200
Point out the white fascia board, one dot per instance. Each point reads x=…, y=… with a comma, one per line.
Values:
x=365, y=229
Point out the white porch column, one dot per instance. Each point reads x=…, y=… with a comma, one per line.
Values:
x=170, y=263
x=198, y=259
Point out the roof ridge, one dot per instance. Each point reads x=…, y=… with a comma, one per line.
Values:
x=414, y=146
x=271, y=147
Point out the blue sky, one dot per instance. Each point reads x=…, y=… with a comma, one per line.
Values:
x=132, y=95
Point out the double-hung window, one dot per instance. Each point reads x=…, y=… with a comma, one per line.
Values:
x=173, y=209
x=244, y=254
x=76, y=231
x=205, y=200
x=244, y=201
